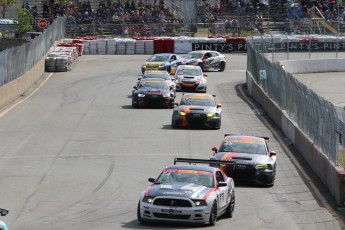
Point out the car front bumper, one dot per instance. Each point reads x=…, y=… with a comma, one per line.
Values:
x=156, y=102
x=192, y=86
x=150, y=212
x=201, y=121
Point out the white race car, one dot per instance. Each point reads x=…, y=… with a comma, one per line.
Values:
x=206, y=59
x=188, y=194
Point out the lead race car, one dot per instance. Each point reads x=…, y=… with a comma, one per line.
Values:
x=159, y=62
x=253, y=161
x=188, y=194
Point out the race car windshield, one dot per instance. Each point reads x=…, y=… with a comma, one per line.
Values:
x=243, y=148
x=187, y=177
x=199, y=102
x=194, y=56
x=162, y=76
x=153, y=85
x=159, y=58
x=192, y=72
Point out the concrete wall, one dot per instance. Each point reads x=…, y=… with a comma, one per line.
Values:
x=333, y=177
x=314, y=66
x=14, y=89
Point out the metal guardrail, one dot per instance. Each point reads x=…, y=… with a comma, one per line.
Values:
x=318, y=118
x=16, y=61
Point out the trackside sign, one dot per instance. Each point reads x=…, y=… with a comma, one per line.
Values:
x=276, y=47
x=220, y=47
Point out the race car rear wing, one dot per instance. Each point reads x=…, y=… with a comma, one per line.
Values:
x=202, y=161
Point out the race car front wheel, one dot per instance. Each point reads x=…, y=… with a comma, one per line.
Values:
x=213, y=214
x=139, y=215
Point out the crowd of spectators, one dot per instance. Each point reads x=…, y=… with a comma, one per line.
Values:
x=130, y=16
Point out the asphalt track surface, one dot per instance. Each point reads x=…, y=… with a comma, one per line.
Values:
x=75, y=155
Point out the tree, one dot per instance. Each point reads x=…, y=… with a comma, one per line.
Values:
x=4, y=4
x=23, y=23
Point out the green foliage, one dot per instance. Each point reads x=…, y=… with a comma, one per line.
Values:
x=23, y=22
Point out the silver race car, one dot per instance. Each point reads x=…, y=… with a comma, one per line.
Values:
x=206, y=59
x=190, y=78
x=188, y=194
x=253, y=161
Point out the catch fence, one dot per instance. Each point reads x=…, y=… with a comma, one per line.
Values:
x=319, y=119
x=16, y=61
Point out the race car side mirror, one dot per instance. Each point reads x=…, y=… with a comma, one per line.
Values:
x=205, y=74
x=222, y=184
x=152, y=180
x=273, y=153
x=219, y=105
x=214, y=149
x=135, y=87
x=3, y=212
x=139, y=78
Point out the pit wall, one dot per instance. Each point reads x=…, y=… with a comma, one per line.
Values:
x=333, y=177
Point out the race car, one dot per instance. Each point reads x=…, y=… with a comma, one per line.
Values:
x=153, y=92
x=253, y=161
x=160, y=74
x=197, y=110
x=190, y=194
x=3, y=225
x=159, y=62
x=190, y=78
x=206, y=59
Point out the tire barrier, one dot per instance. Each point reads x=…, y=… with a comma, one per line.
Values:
x=222, y=44
x=61, y=58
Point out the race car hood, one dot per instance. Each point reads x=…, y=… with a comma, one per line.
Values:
x=153, y=64
x=178, y=189
x=196, y=109
x=243, y=158
x=182, y=78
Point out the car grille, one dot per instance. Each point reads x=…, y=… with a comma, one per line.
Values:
x=196, y=119
x=171, y=216
x=241, y=171
x=154, y=99
x=172, y=202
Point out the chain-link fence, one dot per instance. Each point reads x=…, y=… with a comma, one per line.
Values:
x=298, y=47
x=318, y=118
x=16, y=61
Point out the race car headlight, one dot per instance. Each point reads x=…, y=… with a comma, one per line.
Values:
x=200, y=203
x=166, y=95
x=141, y=95
x=182, y=113
x=211, y=115
x=162, y=65
x=262, y=166
x=148, y=199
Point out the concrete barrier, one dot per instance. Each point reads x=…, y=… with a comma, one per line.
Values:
x=314, y=66
x=11, y=91
x=333, y=177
